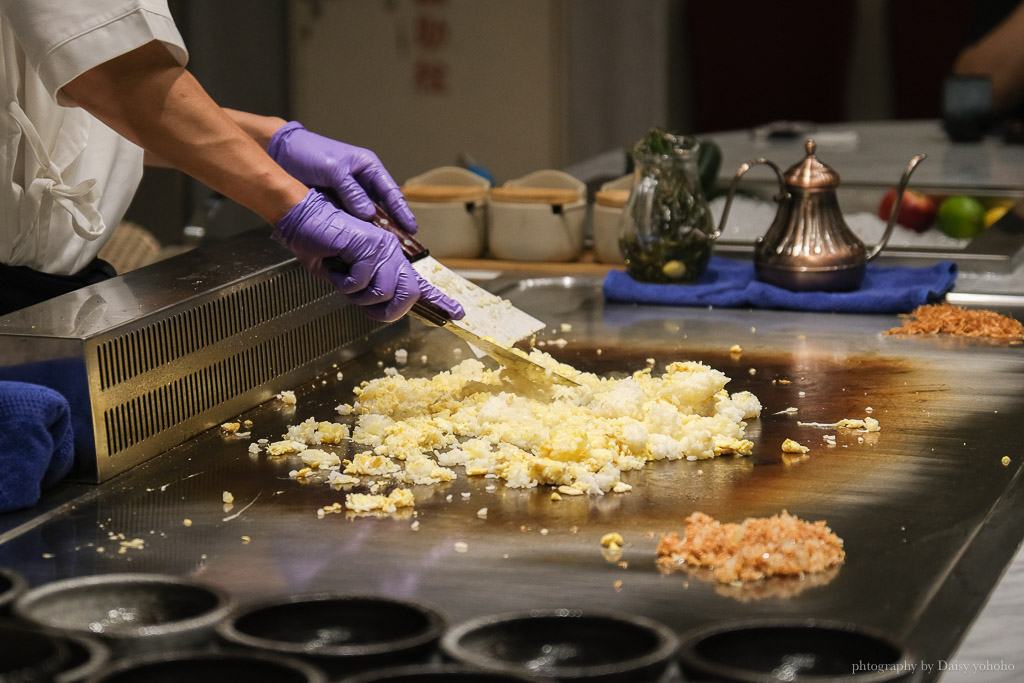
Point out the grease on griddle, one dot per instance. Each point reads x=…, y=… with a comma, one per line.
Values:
x=772, y=587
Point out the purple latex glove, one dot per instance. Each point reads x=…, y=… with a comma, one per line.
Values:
x=379, y=278
x=353, y=173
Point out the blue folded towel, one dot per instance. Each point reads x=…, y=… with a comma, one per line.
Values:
x=731, y=284
x=36, y=442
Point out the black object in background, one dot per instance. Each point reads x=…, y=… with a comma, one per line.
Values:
x=966, y=107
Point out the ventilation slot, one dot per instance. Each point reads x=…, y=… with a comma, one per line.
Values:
x=126, y=357
x=193, y=395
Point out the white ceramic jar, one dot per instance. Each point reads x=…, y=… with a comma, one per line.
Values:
x=609, y=203
x=538, y=217
x=450, y=205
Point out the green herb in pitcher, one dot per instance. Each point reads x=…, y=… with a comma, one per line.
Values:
x=668, y=228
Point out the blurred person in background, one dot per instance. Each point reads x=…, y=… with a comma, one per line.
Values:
x=92, y=89
x=996, y=49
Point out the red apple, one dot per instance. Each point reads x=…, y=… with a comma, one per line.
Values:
x=917, y=211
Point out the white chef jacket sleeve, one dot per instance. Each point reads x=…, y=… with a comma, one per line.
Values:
x=64, y=38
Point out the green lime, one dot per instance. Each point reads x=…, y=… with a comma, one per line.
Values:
x=961, y=216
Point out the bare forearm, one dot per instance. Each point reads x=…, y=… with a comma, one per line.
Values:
x=259, y=128
x=147, y=97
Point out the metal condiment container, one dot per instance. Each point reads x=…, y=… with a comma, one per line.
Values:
x=809, y=246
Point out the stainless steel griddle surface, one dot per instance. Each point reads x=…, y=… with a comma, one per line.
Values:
x=929, y=514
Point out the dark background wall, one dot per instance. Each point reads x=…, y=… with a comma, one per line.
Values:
x=689, y=65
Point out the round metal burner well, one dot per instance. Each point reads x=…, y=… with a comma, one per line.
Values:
x=437, y=673
x=28, y=654
x=338, y=632
x=131, y=612
x=86, y=656
x=805, y=650
x=12, y=585
x=209, y=667
x=565, y=644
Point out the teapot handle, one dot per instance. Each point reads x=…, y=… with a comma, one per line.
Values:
x=736, y=181
x=873, y=252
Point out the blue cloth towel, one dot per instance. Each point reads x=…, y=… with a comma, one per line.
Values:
x=732, y=284
x=36, y=442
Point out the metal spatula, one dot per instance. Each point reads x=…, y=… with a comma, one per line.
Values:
x=492, y=324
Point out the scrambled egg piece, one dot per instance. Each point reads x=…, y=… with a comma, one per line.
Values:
x=365, y=502
x=725, y=445
x=369, y=464
x=315, y=433
x=338, y=479
x=790, y=446
x=868, y=424
x=614, y=538
x=318, y=459
x=579, y=439
x=420, y=469
x=285, y=447
x=332, y=432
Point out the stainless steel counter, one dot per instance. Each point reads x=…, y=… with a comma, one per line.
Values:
x=869, y=157
x=872, y=154
x=929, y=513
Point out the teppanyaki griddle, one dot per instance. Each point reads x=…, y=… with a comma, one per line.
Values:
x=928, y=512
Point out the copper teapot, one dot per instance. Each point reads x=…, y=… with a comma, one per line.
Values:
x=809, y=246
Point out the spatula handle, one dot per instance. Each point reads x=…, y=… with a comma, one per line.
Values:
x=414, y=251
x=411, y=247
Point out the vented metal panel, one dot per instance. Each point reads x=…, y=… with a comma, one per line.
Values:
x=199, y=355
x=225, y=369
x=136, y=352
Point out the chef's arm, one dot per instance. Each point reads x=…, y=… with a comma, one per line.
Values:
x=147, y=97
x=1000, y=56
x=259, y=128
x=260, y=162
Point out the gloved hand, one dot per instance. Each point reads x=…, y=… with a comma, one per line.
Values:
x=379, y=278
x=354, y=173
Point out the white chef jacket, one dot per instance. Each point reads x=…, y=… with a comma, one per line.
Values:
x=67, y=179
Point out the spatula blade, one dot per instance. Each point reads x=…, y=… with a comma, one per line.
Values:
x=491, y=324
x=487, y=315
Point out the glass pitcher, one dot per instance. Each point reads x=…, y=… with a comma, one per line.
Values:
x=667, y=230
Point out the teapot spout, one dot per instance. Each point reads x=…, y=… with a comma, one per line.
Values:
x=873, y=252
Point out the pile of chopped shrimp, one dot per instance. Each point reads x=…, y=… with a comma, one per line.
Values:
x=780, y=545
x=949, y=319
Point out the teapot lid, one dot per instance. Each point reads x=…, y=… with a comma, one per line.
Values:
x=811, y=173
